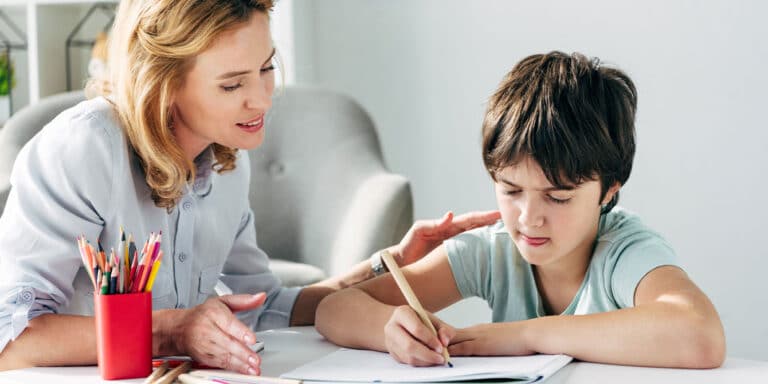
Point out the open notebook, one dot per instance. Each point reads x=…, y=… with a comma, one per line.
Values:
x=352, y=365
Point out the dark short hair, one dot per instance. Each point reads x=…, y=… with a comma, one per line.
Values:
x=572, y=115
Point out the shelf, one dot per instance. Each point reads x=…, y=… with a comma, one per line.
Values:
x=47, y=24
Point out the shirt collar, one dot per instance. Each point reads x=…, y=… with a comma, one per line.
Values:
x=203, y=178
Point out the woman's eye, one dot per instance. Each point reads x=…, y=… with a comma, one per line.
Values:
x=230, y=88
x=268, y=69
x=511, y=193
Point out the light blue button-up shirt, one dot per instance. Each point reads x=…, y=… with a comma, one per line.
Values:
x=80, y=176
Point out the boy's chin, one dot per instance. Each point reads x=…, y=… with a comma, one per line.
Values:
x=537, y=257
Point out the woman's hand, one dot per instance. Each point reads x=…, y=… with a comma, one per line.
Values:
x=426, y=235
x=496, y=339
x=409, y=341
x=211, y=334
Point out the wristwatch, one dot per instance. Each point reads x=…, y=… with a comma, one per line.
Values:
x=377, y=264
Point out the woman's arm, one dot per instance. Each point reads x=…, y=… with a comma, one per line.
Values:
x=51, y=340
x=673, y=324
x=209, y=332
x=310, y=296
x=423, y=237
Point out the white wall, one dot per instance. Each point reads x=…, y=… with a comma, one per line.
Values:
x=424, y=70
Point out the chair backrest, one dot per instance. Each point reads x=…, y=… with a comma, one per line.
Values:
x=22, y=126
x=320, y=191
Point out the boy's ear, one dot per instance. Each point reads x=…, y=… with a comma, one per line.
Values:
x=610, y=193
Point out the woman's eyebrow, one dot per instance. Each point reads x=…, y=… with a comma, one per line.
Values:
x=231, y=74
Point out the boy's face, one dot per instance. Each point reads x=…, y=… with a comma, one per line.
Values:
x=551, y=227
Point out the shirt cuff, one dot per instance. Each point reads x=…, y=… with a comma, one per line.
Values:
x=15, y=313
x=275, y=313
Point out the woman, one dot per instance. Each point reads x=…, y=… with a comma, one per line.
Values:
x=162, y=150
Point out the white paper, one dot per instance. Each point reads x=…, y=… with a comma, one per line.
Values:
x=354, y=365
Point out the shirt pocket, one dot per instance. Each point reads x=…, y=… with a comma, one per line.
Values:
x=208, y=278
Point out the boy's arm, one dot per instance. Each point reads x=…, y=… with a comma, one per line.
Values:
x=673, y=324
x=357, y=317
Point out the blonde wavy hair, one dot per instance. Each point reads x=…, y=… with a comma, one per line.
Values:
x=150, y=49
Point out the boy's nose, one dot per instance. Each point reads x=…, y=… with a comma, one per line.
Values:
x=530, y=216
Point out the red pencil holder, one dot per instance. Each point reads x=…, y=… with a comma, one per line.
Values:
x=124, y=335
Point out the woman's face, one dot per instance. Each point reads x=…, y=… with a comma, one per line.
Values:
x=550, y=226
x=227, y=91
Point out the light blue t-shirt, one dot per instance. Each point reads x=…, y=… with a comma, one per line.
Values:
x=486, y=263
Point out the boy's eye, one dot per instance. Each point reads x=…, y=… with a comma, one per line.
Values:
x=230, y=88
x=268, y=69
x=558, y=200
x=511, y=192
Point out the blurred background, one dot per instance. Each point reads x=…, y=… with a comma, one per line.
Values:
x=424, y=70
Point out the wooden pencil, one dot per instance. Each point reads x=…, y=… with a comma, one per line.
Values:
x=413, y=301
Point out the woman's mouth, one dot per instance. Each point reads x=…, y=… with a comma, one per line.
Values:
x=253, y=125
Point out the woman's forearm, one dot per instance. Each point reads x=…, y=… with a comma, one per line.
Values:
x=309, y=298
x=50, y=340
x=61, y=340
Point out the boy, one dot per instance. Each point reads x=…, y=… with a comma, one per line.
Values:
x=563, y=271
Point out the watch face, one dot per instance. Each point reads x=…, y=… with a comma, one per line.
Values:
x=376, y=264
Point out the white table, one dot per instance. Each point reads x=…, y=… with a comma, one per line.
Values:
x=291, y=347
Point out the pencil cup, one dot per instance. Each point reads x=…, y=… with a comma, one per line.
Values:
x=124, y=335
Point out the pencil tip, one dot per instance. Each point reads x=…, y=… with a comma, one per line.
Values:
x=450, y=365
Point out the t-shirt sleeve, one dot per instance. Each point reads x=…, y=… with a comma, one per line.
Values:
x=469, y=256
x=630, y=262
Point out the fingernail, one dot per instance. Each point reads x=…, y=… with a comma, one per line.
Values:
x=248, y=339
x=252, y=360
x=251, y=371
x=439, y=349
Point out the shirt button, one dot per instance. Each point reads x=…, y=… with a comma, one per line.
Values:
x=26, y=296
x=187, y=205
x=198, y=184
x=276, y=168
x=182, y=257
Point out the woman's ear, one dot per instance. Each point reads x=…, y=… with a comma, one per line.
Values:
x=610, y=193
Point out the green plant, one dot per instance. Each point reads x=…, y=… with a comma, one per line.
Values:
x=6, y=72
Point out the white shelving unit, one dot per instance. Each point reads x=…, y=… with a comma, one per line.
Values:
x=47, y=23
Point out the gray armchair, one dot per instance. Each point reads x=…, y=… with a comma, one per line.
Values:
x=319, y=188
x=321, y=194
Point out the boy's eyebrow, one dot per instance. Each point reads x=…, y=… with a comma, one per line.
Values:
x=231, y=74
x=554, y=188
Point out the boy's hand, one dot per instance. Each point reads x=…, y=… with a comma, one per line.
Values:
x=506, y=339
x=426, y=235
x=409, y=341
x=212, y=335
